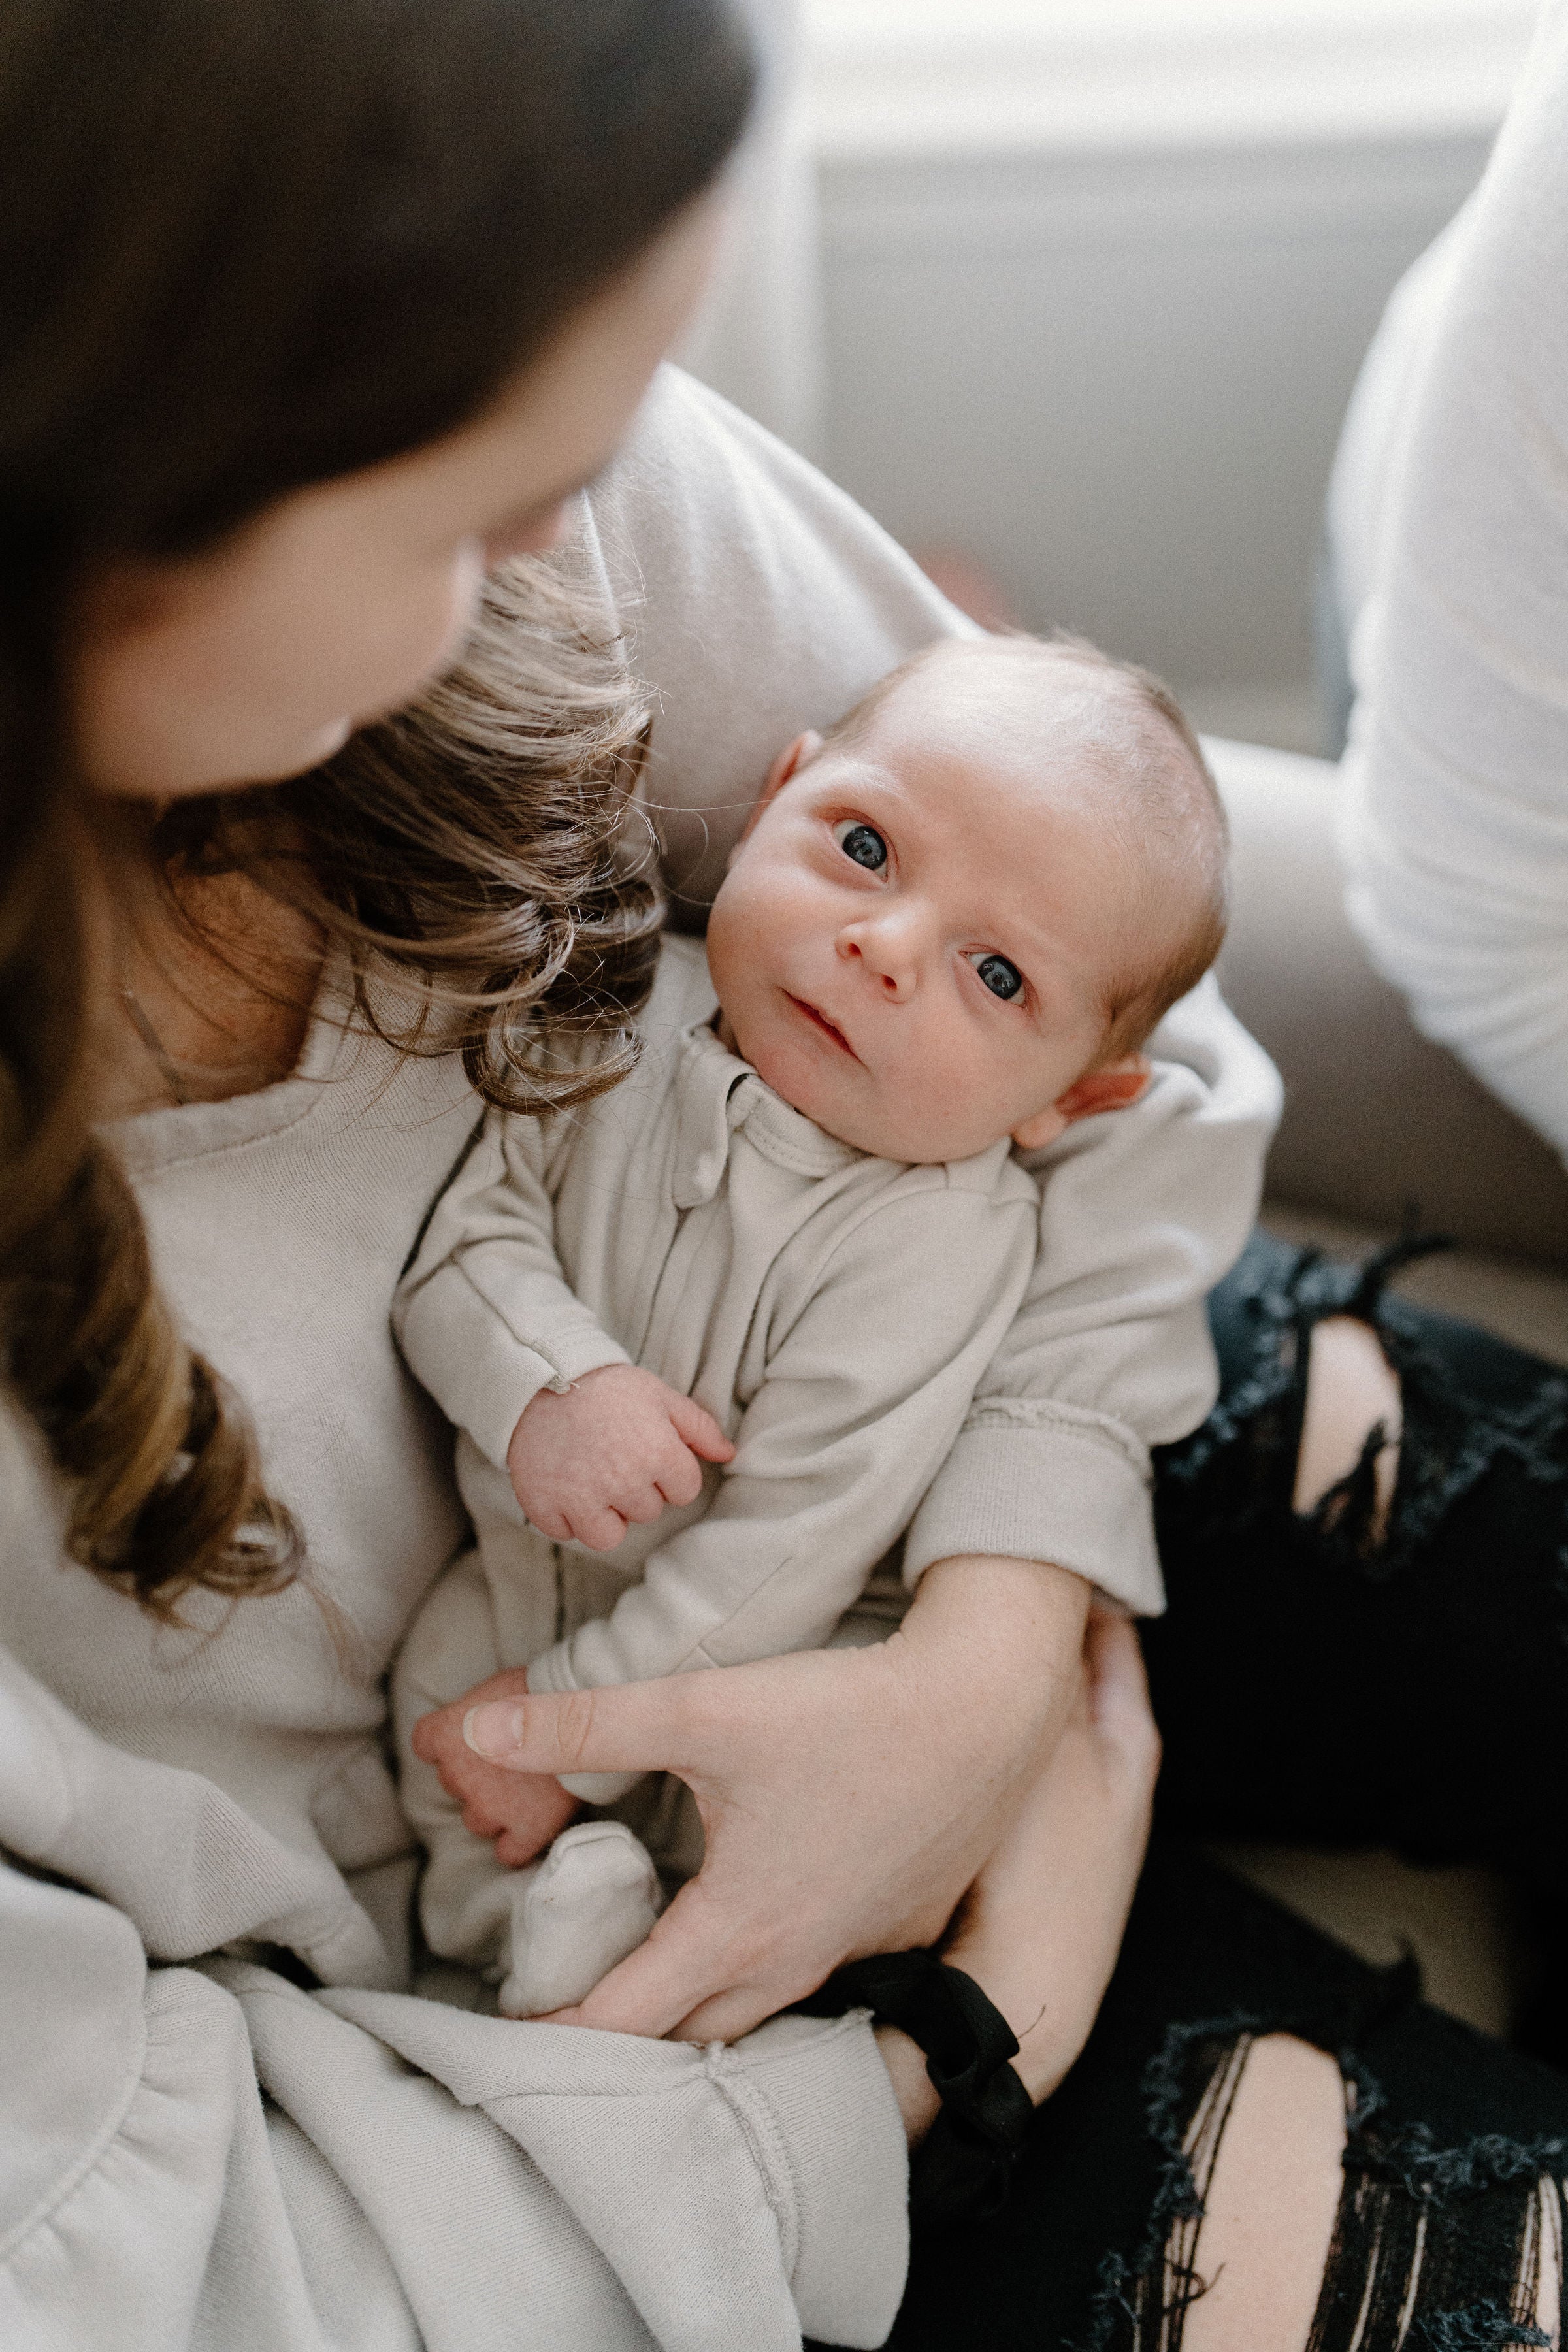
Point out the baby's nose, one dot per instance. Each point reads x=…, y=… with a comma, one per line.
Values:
x=888, y=955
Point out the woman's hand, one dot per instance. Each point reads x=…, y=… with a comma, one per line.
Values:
x=1040, y=1929
x=847, y=1796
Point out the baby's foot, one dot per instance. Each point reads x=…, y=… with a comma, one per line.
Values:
x=591, y=1901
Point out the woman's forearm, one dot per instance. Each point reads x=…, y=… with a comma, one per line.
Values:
x=999, y=1634
x=1040, y=1931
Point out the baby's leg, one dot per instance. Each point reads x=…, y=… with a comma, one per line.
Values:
x=466, y=1897
x=551, y=1929
x=577, y=1914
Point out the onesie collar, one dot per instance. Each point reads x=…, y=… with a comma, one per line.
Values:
x=720, y=1094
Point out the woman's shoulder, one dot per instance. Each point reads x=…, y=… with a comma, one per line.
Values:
x=32, y=1508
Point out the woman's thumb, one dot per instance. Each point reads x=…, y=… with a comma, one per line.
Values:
x=626, y=1727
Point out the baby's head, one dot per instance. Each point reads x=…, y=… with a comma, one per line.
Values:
x=959, y=915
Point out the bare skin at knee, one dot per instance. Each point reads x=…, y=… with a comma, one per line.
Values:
x=1351, y=1388
x=1270, y=2211
x=1549, y=2293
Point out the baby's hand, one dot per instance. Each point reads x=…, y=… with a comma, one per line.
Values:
x=520, y=1812
x=537, y=1810
x=619, y=1445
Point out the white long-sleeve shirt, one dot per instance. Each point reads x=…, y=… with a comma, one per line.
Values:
x=833, y=1312
x=1457, y=809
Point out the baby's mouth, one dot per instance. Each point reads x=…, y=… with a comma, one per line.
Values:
x=820, y=1021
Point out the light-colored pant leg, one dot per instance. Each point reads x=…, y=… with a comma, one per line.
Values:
x=465, y=1898
x=548, y=1932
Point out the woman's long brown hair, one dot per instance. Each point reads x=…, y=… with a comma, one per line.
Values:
x=245, y=246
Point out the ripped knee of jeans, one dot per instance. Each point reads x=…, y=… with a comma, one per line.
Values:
x=1141, y=2299
x=1347, y=1457
x=1400, y=1482
x=1453, y=2246
x=1435, y=2247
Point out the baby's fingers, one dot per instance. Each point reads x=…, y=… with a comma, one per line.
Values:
x=678, y=1477
x=597, y=1527
x=637, y=1504
x=697, y=1428
x=547, y=1517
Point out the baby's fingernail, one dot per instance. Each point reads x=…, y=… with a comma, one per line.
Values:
x=495, y=1731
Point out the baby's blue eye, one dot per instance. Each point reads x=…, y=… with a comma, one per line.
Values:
x=864, y=844
x=1001, y=978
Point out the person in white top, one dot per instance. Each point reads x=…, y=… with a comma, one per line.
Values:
x=1456, y=829
x=718, y=1324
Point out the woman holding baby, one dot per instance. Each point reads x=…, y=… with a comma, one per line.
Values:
x=313, y=311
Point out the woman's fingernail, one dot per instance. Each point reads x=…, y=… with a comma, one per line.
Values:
x=494, y=1731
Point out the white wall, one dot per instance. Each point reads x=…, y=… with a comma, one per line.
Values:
x=1096, y=281
x=1119, y=381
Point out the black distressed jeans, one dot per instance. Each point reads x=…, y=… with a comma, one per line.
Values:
x=1320, y=1683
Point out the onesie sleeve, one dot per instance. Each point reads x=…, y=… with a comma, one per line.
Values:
x=871, y=1361
x=1141, y=1211
x=1456, y=823
x=759, y=600
x=484, y=1315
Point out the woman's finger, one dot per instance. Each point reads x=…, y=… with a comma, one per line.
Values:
x=727, y=2016
x=436, y=1735
x=666, y=1982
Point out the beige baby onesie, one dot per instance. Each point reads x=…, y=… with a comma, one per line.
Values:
x=834, y=1312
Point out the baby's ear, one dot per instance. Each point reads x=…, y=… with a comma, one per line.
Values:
x=1111, y=1088
x=791, y=760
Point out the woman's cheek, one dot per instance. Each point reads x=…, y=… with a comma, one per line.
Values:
x=465, y=584
x=419, y=636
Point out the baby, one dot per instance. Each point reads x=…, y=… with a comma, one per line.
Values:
x=707, y=1342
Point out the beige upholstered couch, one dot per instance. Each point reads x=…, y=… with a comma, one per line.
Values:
x=1376, y=1120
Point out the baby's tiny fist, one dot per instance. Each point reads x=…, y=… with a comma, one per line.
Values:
x=617, y=1447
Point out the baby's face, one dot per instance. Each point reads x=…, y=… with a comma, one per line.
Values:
x=915, y=937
